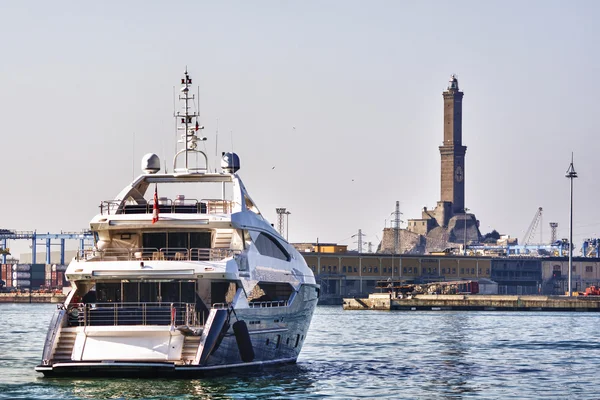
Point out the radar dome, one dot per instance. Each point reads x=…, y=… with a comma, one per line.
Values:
x=230, y=162
x=150, y=163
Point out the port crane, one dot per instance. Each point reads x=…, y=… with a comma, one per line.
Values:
x=537, y=218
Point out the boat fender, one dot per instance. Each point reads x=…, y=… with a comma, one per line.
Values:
x=242, y=337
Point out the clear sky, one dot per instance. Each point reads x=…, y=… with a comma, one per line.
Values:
x=343, y=98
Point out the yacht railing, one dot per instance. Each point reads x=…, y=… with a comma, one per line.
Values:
x=256, y=304
x=168, y=206
x=268, y=304
x=156, y=254
x=116, y=314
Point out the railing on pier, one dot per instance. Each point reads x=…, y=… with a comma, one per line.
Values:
x=150, y=253
x=168, y=206
x=117, y=314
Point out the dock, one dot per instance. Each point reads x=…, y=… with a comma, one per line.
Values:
x=434, y=302
x=32, y=297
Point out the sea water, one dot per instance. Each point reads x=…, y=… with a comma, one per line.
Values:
x=356, y=354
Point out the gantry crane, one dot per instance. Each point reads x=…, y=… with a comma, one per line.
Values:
x=532, y=227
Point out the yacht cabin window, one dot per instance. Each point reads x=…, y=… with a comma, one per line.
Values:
x=268, y=246
x=146, y=292
x=174, y=240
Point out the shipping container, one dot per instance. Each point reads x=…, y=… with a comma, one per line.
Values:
x=21, y=267
x=38, y=271
x=37, y=283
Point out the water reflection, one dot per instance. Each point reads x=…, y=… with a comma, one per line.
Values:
x=452, y=363
x=269, y=382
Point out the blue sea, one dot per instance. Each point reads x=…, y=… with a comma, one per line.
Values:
x=357, y=355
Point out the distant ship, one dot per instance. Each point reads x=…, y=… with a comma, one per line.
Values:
x=181, y=286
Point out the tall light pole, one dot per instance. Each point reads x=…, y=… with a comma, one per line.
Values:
x=465, y=243
x=571, y=174
x=280, y=213
x=287, y=225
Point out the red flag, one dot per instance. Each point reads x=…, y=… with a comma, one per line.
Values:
x=155, y=206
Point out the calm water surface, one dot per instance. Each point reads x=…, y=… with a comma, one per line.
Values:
x=357, y=354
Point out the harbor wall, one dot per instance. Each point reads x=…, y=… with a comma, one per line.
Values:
x=32, y=297
x=474, y=303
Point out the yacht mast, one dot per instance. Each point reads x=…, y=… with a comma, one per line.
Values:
x=187, y=121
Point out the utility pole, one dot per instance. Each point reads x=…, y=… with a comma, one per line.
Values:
x=287, y=225
x=571, y=174
x=465, y=243
x=397, y=221
x=359, y=237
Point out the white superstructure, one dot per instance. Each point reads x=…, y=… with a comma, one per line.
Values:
x=181, y=283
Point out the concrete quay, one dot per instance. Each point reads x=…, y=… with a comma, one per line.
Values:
x=383, y=301
x=32, y=297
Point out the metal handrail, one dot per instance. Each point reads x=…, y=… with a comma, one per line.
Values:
x=166, y=205
x=264, y=304
x=120, y=314
x=155, y=254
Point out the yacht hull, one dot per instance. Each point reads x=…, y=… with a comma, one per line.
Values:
x=149, y=370
x=276, y=335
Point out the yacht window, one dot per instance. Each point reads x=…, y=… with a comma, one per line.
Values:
x=156, y=240
x=269, y=247
x=222, y=292
x=150, y=292
x=131, y=292
x=108, y=292
x=200, y=240
x=266, y=291
x=178, y=240
x=174, y=240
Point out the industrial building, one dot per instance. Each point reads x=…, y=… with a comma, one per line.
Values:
x=355, y=274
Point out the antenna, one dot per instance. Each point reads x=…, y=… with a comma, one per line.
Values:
x=175, y=118
x=133, y=157
x=217, y=140
x=188, y=123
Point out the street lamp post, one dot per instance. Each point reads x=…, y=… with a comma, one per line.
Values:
x=465, y=243
x=571, y=174
x=287, y=225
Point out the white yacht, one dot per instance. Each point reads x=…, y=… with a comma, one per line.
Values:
x=183, y=285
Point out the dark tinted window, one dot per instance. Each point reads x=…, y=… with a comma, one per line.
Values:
x=269, y=247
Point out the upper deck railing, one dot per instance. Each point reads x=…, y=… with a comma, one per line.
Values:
x=114, y=314
x=150, y=253
x=168, y=206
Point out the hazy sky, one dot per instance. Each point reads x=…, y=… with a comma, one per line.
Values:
x=343, y=98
